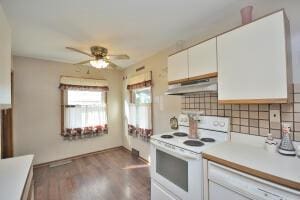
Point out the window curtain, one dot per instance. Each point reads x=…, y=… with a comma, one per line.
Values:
x=140, y=115
x=83, y=120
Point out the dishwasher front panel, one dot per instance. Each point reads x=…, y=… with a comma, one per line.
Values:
x=217, y=192
x=247, y=185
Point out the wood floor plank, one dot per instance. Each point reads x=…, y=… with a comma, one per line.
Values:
x=111, y=175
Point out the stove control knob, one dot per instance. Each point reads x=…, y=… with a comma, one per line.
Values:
x=215, y=123
x=222, y=124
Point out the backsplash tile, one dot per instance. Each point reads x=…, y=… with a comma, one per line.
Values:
x=297, y=136
x=297, y=126
x=245, y=114
x=253, y=131
x=244, y=122
x=264, y=115
x=253, y=115
x=297, y=88
x=253, y=123
x=249, y=119
x=297, y=98
x=297, y=117
x=297, y=107
x=287, y=117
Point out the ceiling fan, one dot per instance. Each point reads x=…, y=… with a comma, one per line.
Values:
x=101, y=58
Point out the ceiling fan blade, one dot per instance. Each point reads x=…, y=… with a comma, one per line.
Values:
x=79, y=51
x=83, y=62
x=113, y=66
x=118, y=57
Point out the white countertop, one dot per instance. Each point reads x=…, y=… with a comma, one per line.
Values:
x=284, y=167
x=13, y=176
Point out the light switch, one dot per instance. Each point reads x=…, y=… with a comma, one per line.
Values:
x=274, y=115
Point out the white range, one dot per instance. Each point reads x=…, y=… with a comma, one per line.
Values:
x=176, y=160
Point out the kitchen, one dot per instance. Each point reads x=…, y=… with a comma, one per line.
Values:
x=225, y=126
x=235, y=169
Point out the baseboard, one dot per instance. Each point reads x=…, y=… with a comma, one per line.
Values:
x=77, y=157
x=142, y=159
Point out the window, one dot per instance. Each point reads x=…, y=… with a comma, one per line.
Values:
x=142, y=96
x=140, y=112
x=83, y=107
x=84, y=113
x=79, y=97
x=138, y=105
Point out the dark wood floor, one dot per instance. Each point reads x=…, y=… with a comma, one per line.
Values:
x=109, y=175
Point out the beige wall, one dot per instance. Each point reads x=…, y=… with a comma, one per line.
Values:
x=164, y=107
x=5, y=65
x=5, y=61
x=37, y=110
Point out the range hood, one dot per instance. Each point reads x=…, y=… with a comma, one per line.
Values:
x=193, y=87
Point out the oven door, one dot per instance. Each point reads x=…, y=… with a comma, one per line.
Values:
x=180, y=175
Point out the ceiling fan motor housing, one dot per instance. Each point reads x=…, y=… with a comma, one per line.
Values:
x=99, y=52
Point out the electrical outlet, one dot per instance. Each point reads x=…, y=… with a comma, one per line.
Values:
x=274, y=115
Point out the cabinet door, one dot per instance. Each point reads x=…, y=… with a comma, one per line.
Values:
x=178, y=66
x=203, y=60
x=252, y=63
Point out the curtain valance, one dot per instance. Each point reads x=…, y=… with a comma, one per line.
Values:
x=82, y=83
x=140, y=81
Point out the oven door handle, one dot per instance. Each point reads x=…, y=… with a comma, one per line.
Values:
x=177, y=153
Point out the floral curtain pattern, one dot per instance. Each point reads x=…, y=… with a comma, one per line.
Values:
x=139, y=85
x=83, y=87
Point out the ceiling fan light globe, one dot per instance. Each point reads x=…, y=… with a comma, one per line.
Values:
x=99, y=63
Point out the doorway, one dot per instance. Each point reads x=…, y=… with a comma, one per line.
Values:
x=6, y=134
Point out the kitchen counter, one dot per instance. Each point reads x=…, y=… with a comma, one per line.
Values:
x=14, y=176
x=256, y=161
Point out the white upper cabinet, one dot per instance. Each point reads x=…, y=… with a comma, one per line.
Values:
x=252, y=62
x=197, y=62
x=178, y=66
x=5, y=62
x=203, y=59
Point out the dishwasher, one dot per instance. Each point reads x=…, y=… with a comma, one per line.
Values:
x=228, y=184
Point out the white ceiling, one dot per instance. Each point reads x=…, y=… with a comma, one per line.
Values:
x=139, y=28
